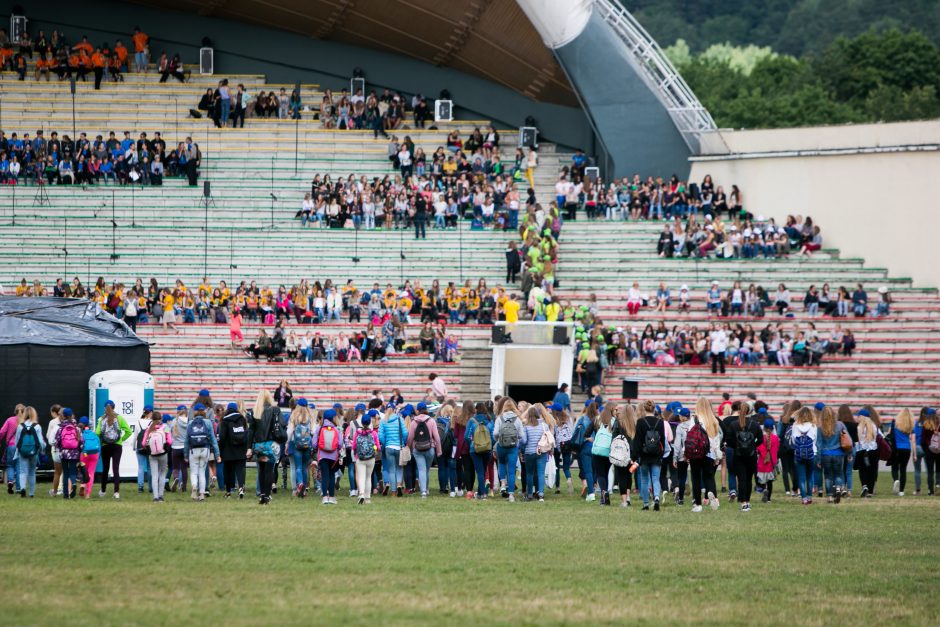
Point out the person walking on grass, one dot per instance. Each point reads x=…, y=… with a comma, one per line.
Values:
x=234, y=449
x=265, y=440
x=113, y=431
x=177, y=458
x=199, y=446
x=479, y=435
x=8, y=438
x=582, y=441
x=29, y=444
x=831, y=456
x=55, y=413
x=649, y=445
x=392, y=437
x=744, y=436
x=329, y=445
x=679, y=462
x=91, y=451
x=600, y=449
x=156, y=442
x=69, y=443
x=930, y=446
x=704, y=457
x=803, y=437
x=903, y=445
x=300, y=437
x=143, y=458
x=447, y=462
x=625, y=426
x=535, y=446
x=767, y=459
x=507, y=432
x=425, y=444
x=366, y=448
x=866, y=452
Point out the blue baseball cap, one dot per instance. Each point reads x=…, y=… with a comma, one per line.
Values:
x=407, y=410
x=371, y=414
x=301, y=402
x=931, y=411
x=199, y=407
x=555, y=407
x=204, y=392
x=367, y=419
x=762, y=410
x=588, y=402
x=360, y=407
x=232, y=407
x=863, y=412
x=148, y=407
x=180, y=407
x=329, y=414
x=167, y=418
x=684, y=412
x=422, y=407
x=820, y=406
x=83, y=420
x=109, y=402
x=769, y=423
x=338, y=406
x=67, y=412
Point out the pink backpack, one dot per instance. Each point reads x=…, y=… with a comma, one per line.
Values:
x=69, y=437
x=269, y=318
x=156, y=441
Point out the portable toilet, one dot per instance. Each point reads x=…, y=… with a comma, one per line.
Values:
x=130, y=391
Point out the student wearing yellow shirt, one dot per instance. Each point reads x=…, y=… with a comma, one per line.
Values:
x=204, y=286
x=404, y=309
x=511, y=310
x=473, y=305
x=22, y=289
x=169, y=315
x=225, y=292
x=453, y=307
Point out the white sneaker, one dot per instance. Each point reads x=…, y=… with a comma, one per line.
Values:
x=512, y=499
x=452, y=494
x=900, y=494
x=460, y=493
x=589, y=497
x=424, y=495
x=52, y=493
x=101, y=494
x=712, y=501
x=897, y=487
x=117, y=496
x=325, y=501
x=353, y=493
x=332, y=500
x=696, y=509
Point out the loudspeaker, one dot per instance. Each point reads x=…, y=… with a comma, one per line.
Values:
x=206, y=190
x=560, y=336
x=443, y=110
x=72, y=84
x=17, y=26
x=498, y=335
x=592, y=173
x=357, y=83
x=630, y=389
x=528, y=137
x=206, y=61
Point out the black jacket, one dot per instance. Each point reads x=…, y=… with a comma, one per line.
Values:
x=731, y=433
x=262, y=429
x=643, y=425
x=229, y=426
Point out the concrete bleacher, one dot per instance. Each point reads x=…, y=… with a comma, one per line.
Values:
x=123, y=233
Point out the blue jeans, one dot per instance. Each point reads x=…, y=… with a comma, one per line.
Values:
x=13, y=476
x=69, y=474
x=27, y=472
x=140, y=58
x=649, y=476
x=327, y=477
x=535, y=472
x=446, y=472
x=565, y=467
x=729, y=464
x=506, y=461
x=848, y=471
x=804, y=477
x=226, y=105
x=391, y=471
x=301, y=463
x=424, y=459
x=143, y=471
x=479, y=464
x=586, y=465
x=832, y=468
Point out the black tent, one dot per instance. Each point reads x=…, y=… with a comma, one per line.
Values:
x=50, y=348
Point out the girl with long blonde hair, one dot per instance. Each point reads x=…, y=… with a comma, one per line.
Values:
x=904, y=446
x=703, y=470
x=300, y=434
x=866, y=452
x=262, y=444
x=624, y=425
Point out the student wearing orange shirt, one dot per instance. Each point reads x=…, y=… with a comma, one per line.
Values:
x=44, y=65
x=6, y=56
x=20, y=62
x=76, y=67
x=97, y=64
x=141, y=40
x=120, y=50
x=114, y=68
x=83, y=46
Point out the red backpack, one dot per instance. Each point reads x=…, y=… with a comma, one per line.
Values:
x=328, y=440
x=696, y=443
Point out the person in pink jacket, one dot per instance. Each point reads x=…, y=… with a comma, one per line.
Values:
x=425, y=443
x=365, y=449
x=767, y=459
x=8, y=439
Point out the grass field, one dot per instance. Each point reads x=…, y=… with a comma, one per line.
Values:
x=451, y=561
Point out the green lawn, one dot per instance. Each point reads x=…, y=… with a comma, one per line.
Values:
x=449, y=560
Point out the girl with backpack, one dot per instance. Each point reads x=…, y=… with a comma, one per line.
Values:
x=930, y=443
x=744, y=436
x=866, y=452
x=265, y=441
x=446, y=462
x=8, y=438
x=113, y=431
x=52, y=429
x=366, y=449
x=392, y=437
x=199, y=446
x=901, y=437
x=156, y=442
x=803, y=442
x=352, y=422
x=234, y=449
x=329, y=444
x=703, y=467
x=625, y=426
x=649, y=445
x=679, y=462
x=465, y=472
x=786, y=451
x=563, y=427
x=832, y=456
x=507, y=433
x=425, y=444
x=300, y=436
x=69, y=443
x=178, y=460
x=91, y=451
x=844, y=415
x=29, y=445
x=531, y=441
x=582, y=439
x=479, y=435
x=600, y=449
x=767, y=459
x=143, y=458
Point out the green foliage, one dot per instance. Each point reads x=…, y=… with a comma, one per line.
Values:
x=885, y=76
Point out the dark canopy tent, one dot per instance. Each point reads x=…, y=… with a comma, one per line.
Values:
x=50, y=348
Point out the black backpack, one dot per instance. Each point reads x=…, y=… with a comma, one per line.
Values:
x=446, y=435
x=422, y=437
x=239, y=433
x=652, y=441
x=745, y=444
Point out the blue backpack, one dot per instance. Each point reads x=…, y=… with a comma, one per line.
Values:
x=577, y=438
x=198, y=433
x=602, y=442
x=803, y=448
x=302, y=437
x=92, y=442
x=28, y=444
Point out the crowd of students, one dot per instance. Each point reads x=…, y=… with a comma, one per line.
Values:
x=388, y=448
x=743, y=238
x=83, y=161
x=376, y=112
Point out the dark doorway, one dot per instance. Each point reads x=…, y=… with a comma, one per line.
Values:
x=531, y=393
